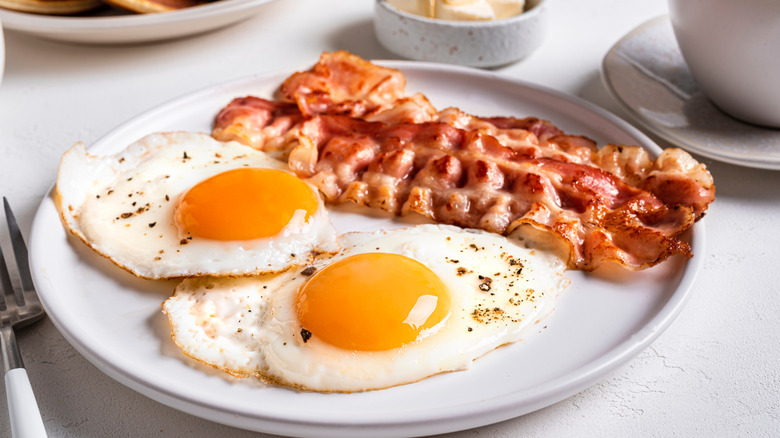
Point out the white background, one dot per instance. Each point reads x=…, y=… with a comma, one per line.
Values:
x=714, y=372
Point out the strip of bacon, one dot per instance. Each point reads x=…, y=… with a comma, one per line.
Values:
x=470, y=179
x=272, y=126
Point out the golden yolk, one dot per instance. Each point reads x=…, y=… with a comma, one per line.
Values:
x=372, y=302
x=243, y=204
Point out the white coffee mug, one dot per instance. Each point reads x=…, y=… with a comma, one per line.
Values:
x=732, y=48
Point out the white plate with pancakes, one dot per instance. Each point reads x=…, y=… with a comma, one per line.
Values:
x=603, y=320
x=112, y=27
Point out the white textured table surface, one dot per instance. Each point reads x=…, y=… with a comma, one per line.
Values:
x=715, y=372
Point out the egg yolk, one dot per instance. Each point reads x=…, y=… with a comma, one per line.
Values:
x=372, y=302
x=243, y=204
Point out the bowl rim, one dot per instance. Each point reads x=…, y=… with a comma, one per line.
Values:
x=526, y=15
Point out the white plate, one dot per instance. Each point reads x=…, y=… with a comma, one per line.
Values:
x=133, y=28
x=601, y=322
x=647, y=75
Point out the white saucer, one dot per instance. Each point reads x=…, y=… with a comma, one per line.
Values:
x=646, y=74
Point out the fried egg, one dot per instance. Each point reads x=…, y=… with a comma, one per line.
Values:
x=183, y=204
x=393, y=307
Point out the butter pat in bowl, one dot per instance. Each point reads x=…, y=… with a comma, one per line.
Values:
x=478, y=33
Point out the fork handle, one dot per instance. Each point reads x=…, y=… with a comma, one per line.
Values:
x=26, y=419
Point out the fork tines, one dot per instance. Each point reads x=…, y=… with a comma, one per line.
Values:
x=25, y=306
x=5, y=277
x=20, y=249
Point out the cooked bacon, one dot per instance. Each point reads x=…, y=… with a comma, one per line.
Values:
x=347, y=127
x=413, y=109
x=342, y=83
x=530, y=136
x=470, y=179
x=259, y=123
x=272, y=126
x=542, y=129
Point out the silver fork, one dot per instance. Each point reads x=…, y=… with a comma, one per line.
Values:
x=18, y=308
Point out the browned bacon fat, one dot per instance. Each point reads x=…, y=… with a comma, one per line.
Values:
x=359, y=139
x=256, y=122
x=342, y=83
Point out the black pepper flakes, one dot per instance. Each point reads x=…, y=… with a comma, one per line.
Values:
x=151, y=225
x=305, y=335
x=184, y=242
x=308, y=271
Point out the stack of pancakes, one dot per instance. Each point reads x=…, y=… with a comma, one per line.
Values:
x=70, y=7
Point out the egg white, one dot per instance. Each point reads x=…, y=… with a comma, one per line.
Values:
x=123, y=205
x=249, y=327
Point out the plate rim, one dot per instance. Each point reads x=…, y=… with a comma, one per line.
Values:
x=494, y=410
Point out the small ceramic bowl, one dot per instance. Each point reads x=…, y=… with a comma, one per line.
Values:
x=471, y=43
